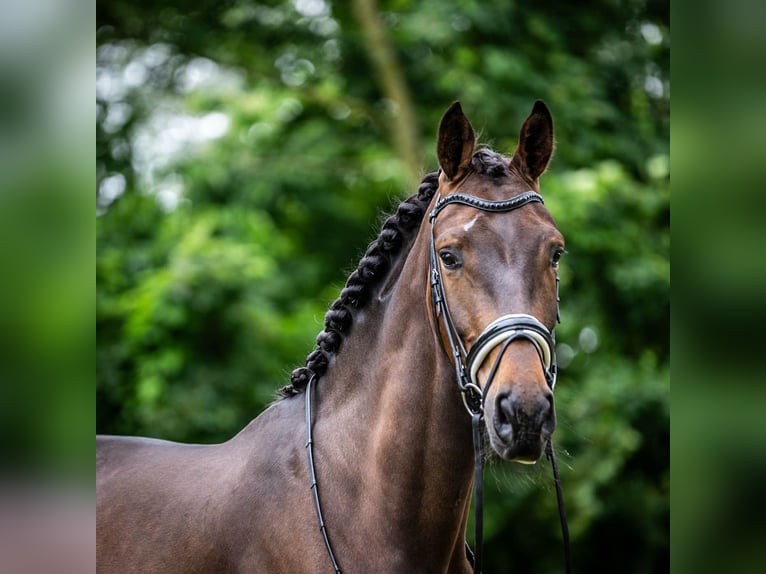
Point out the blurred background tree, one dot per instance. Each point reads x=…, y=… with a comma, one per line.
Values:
x=245, y=153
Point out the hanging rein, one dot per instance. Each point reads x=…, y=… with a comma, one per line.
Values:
x=500, y=333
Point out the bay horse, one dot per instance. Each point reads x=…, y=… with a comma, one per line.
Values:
x=445, y=314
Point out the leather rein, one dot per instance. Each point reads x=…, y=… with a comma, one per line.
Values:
x=500, y=333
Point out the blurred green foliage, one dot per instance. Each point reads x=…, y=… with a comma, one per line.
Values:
x=244, y=153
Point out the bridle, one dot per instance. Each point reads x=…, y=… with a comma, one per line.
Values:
x=499, y=333
x=502, y=330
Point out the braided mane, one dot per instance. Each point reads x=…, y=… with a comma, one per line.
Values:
x=397, y=230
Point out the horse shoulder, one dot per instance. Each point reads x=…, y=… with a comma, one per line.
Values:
x=168, y=507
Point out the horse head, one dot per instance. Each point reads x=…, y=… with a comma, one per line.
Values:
x=494, y=256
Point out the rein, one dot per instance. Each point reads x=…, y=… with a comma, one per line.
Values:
x=500, y=333
x=313, y=477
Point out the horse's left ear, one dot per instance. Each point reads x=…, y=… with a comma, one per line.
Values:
x=535, y=142
x=455, y=142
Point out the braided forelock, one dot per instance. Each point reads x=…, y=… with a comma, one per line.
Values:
x=491, y=163
x=397, y=230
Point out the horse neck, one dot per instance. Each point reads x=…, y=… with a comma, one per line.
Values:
x=405, y=435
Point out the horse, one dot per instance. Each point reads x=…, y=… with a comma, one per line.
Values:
x=363, y=462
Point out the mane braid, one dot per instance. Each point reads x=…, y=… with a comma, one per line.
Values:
x=396, y=230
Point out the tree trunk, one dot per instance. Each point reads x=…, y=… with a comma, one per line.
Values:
x=389, y=75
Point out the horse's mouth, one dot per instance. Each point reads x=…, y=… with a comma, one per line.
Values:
x=524, y=446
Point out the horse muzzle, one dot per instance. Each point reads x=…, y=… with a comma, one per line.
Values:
x=520, y=424
x=519, y=410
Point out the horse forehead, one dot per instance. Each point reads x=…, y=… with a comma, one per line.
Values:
x=530, y=223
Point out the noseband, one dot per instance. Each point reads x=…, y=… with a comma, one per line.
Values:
x=499, y=333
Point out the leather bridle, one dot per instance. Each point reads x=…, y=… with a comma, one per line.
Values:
x=501, y=330
x=499, y=333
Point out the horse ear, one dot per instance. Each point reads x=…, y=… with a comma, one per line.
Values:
x=535, y=142
x=455, y=142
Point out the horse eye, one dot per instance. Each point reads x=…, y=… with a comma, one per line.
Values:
x=449, y=259
x=556, y=257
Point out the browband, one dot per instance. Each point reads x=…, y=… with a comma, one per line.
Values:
x=486, y=204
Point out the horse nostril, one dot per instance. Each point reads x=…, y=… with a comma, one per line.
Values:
x=504, y=415
x=535, y=415
x=548, y=413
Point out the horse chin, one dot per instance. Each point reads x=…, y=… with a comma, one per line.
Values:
x=527, y=451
